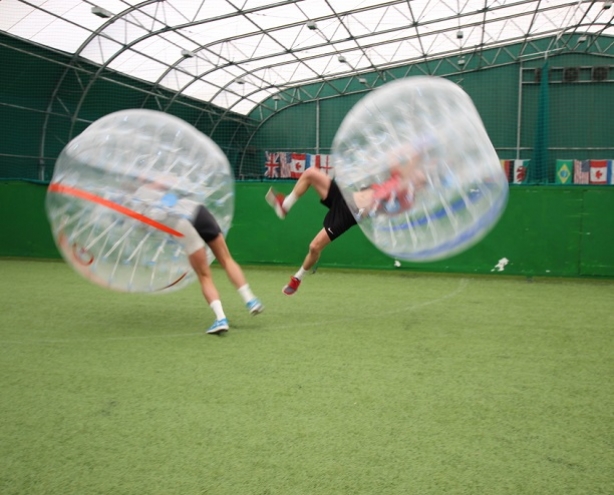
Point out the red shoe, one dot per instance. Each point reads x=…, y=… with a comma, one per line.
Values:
x=292, y=286
x=276, y=201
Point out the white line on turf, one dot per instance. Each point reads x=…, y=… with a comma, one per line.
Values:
x=407, y=309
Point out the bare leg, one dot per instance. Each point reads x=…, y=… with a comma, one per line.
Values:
x=225, y=259
x=321, y=183
x=235, y=274
x=314, y=178
x=316, y=246
x=199, y=263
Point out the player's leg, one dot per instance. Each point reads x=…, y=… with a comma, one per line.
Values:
x=235, y=274
x=194, y=246
x=316, y=246
x=198, y=261
x=200, y=265
x=312, y=177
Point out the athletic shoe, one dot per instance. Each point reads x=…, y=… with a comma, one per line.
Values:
x=219, y=326
x=292, y=286
x=276, y=201
x=255, y=306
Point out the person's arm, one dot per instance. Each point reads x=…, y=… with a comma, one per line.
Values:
x=397, y=192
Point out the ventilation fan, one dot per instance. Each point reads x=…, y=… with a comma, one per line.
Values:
x=571, y=74
x=600, y=73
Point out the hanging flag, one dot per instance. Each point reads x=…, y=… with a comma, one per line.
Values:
x=520, y=171
x=285, y=160
x=581, y=170
x=598, y=172
x=508, y=166
x=297, y=167
x=271, y=167
x=563, y=171
x=311, y=160
x=324, y=163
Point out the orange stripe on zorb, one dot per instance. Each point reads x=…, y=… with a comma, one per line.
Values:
x=87, y=196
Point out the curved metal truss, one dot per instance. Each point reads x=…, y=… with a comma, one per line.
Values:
x=238, y=54
x=247, y=59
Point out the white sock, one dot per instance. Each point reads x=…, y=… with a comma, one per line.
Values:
x=216, y=306
x=246, y=293
x=289, y=201
x=301, y=273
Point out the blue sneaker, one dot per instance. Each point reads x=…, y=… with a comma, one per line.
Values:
x=219, y=326
x=255, y=306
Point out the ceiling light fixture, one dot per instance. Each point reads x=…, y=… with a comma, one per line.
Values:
x=187, y=53
x=311, y=25
x=100, y=12
x=342, y=59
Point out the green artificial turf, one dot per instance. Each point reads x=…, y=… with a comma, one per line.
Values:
x=362, y=383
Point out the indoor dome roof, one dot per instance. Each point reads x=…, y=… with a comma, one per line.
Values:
x=238, y=53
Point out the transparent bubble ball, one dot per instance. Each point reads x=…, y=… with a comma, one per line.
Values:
x=120, y=189
x=415, y=165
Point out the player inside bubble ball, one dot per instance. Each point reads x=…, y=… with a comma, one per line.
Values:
x=198, y=227
x=392, y=196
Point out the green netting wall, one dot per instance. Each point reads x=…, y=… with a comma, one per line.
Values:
x=538, y=112
x=565, y=119
x=47, y=98
x=535, y=112
x=545, y=231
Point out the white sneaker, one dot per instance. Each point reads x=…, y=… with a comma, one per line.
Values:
x=276, y=201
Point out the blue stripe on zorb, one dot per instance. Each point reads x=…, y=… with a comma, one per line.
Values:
x=458, y=241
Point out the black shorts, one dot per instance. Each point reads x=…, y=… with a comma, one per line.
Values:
x=205, y=224
x=339, y=217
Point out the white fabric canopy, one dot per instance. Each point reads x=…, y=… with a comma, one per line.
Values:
x=237, y=53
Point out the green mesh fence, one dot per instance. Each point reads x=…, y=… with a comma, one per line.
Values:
x=548, y=119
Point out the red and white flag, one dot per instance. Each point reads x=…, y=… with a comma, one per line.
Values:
x=520, y=171
x=324, y=163
x=581, y=171
x=599, y=172
x=508, y=166
x=297, y=167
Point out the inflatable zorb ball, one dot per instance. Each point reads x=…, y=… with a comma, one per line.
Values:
x=414, y=163
x=120, y=192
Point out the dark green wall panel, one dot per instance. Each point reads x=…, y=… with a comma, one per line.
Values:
x=597, y=233
x=549, y=231
x=47, y=98
x=23, y=222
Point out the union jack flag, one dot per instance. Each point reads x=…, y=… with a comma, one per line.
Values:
x=272, y=165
